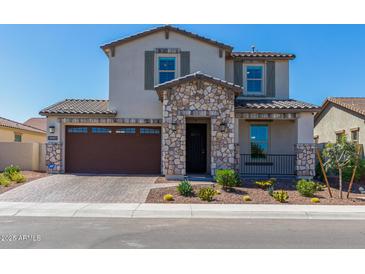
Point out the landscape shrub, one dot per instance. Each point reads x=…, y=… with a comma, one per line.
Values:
x=315, y=200
x=246, y=198
x=185, y=188
x=320, y=187
x=168, y=197
x=270, y=190
x=227, y=178
x=206, y=194
x=360, y=172
x=4, y=181
x=306, y=188
x=280, y=196
x=264, y=184
x=18, y=177
x=11, y=170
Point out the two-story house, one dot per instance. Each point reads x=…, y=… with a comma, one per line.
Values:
x=180, y=104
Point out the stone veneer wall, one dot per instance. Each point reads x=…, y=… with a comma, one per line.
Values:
x=54, y=156
x=237, y=158
x=197, y=98
x=305, y=161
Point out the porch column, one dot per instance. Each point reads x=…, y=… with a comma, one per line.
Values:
x=54, y=149
x=305, y=147
x=237, y=156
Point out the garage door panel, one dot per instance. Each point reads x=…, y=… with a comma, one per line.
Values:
x=113, y=152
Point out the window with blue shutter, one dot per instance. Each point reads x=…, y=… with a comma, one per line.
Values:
x=254, y=79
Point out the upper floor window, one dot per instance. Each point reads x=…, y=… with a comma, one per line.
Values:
x=17, y=137
x=339, y=135
x=166, y=69
x=254, y=77
x=355, y=135
x=259, y=138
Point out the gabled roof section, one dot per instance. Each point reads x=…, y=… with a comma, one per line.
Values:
x=15, y=125
x=37, y=122
x=263, y=55
x=79, y=106
x=353, y=104
x=198, y=76
x=167, y=28
x=274, y=104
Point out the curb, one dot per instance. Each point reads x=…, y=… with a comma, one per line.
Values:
x=185, y=211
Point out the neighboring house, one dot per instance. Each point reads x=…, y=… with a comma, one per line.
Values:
x=11, y=131
x=338, y=116
x=37, y=122
x=181, y=104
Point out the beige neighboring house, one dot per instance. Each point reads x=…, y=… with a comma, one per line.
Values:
x=180, y=104
x=12, y=131
x=341, y=115
x=37, y=122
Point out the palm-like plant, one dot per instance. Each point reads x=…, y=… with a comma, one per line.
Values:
x=338, y=156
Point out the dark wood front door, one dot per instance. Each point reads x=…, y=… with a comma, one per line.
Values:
x=196, y=148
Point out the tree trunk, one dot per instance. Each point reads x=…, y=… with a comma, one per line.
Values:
x=340, y=182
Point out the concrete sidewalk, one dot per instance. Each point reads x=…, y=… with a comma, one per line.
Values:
x=142, y=210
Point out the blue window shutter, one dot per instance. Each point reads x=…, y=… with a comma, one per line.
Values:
x=238, y=73
x=184, y=63
x=270, y=79
x=149, y=72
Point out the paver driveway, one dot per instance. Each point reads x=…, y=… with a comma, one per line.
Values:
x=83, y=189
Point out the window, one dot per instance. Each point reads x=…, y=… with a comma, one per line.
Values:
x=127, y=130
x=259, y=137
x=17, y=137
x=355, y=135
x=77, y=130
x=166, y=69
x=101, y=130
x=339, y=135
x=152, y=131
x=254, y=79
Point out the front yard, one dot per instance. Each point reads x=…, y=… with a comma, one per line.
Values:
x=29, y=176
x=256, y=194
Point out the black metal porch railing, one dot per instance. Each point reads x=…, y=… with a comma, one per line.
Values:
x=268, y=164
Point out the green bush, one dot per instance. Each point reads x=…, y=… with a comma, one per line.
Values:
x=227, y=178
x=320, y=187
x=306, y=188
x=206, y=194
x=360, y=171
x=168, y=197
x=11, y=170
x=4, y=181
x=17, y=177
x=280, y=196
x=270, y=190
x=185, y=188
x=264, y=184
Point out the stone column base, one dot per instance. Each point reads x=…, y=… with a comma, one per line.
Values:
x=54, y=161
x=305, y=161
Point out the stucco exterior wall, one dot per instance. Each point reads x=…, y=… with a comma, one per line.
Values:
x=305, y=125
x=282, y=136
x=335, y=119
x=27, y=156
x=126, y=72
x=7, y=135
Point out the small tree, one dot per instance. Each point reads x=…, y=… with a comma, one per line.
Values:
x=339, y=156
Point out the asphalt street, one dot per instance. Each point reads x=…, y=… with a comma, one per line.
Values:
x=56, y=232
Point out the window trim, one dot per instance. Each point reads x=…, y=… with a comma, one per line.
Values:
x=263, y=79
x=167, y=55
x=357, y=131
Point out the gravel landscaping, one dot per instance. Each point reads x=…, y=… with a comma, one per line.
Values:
x=29, y=175
x=257, y=195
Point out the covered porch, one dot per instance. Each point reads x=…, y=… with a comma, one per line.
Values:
x=272, y=142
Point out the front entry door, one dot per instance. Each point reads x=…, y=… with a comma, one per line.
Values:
x=196, y=148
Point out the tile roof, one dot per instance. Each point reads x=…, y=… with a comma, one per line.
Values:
x=262, y=55
x=274, y=104
x=40, y=123
x=79, y=106
x=166, y=28
x=13, y=124
x=198, y=75
x=355, y=104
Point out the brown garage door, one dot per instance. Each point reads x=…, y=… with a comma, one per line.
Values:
x=123, y=150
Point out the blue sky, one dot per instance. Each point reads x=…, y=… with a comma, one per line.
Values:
x=43, y=64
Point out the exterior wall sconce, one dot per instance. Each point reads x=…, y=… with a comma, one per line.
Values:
x=223, y=127
x=51, y=129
